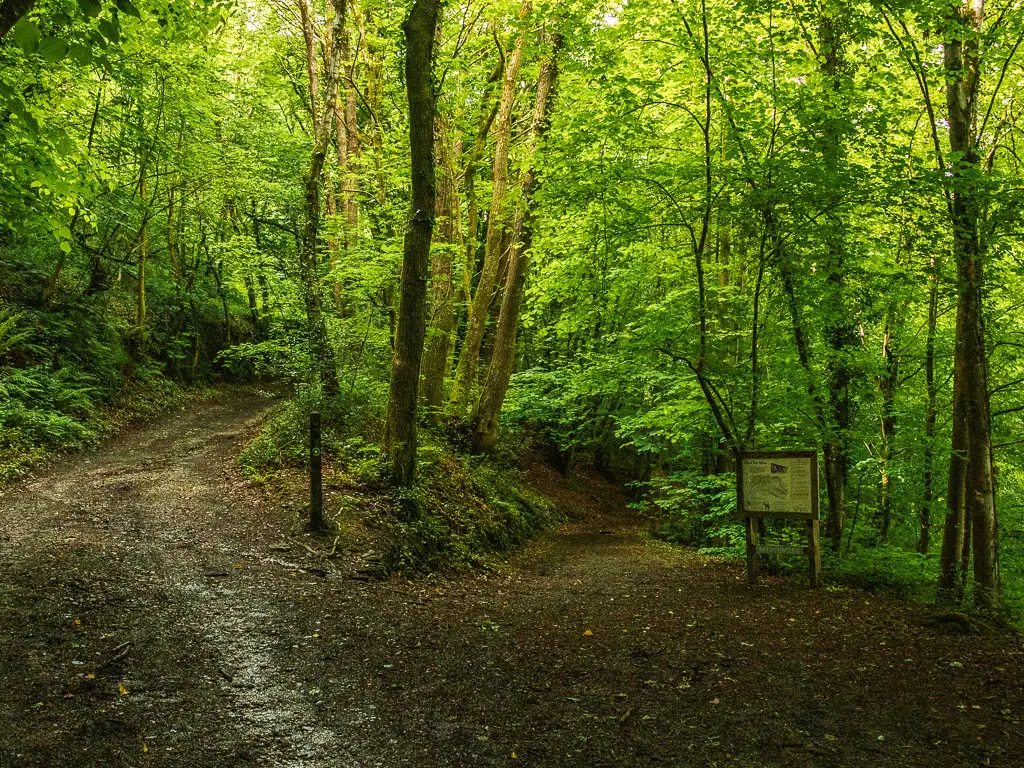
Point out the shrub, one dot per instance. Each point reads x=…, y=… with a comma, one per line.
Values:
x=696, y=510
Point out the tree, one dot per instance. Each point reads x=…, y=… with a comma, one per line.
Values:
x=497, y=232
x=400, y=432
x=487, y=413
x=971, y=516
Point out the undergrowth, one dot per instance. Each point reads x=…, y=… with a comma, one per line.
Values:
x=43, y=413
x=463, y=510
x=469, y=508
x=699, y=511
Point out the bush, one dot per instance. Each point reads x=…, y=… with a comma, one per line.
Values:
x=883, y=568
x=696, y=510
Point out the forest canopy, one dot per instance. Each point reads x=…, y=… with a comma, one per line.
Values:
x=647, y=234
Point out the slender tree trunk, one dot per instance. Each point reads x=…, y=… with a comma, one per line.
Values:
x=309, y=276
x=699, y=238
x=974, y=515
x=925, y=516
x=499, y=372
x=840, y=329
x=952, y=532
x=348, y=156
x=442, y=310
x=400, y=432
x=749, y=439
x=887, y=383
x=313, y=80
x=143, y=245
x=471, y=239
x=497, y=225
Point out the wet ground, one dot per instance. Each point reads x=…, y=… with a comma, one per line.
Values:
x=155, y=612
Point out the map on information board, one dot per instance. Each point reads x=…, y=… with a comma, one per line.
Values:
x=778, y=484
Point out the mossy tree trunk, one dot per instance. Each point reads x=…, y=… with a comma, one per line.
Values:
x=400, y=431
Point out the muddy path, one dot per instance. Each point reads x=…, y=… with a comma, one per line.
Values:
x=153, y=612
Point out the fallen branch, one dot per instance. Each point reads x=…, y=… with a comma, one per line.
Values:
x=306, y=546
x=119, y=653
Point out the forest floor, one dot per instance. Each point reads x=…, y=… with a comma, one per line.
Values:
x=154, y=612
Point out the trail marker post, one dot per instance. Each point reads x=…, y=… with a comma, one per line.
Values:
x=316, y=487
x=779, y=484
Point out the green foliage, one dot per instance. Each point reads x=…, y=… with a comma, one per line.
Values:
x=696, y=510
x=467, y=510
x=271, y=359
x=883, y=569
x=702, y=205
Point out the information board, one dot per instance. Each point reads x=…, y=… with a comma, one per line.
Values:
x=779, y=484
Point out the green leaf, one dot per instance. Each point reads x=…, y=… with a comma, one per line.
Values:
x=125, y=6
x=80, y=53
x=52, y=49
x=26, y=35
x=27, y=117
x=91, y=8
x=111, y=30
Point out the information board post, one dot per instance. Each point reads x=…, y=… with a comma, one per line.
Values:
x=750, y=523
x=779, y=484
x=814, y=552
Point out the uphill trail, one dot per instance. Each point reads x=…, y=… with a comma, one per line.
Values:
x=153, y=612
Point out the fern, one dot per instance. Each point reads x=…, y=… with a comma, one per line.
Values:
x=10, y=336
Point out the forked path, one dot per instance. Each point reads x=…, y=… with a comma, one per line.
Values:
x=149, y=616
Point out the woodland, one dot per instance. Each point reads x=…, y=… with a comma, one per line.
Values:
x=642, y=235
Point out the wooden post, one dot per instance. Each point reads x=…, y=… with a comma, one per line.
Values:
x=751, y=528
x=316, y=488
x=814, y=552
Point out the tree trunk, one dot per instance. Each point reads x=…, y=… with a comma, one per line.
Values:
x=840, y=330
x=400, y=431
x=140, y=304
x=499, y=372
x=887, y=383
x=442, y=310
x=348, y=157
x=497, y=225
x=971, y=468
x=309, y=37
x=925, y=516
x=11, y=11
x=471, y=239
x=309, y=277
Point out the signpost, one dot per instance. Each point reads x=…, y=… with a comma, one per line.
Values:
x=779, y=484
x=316, y=485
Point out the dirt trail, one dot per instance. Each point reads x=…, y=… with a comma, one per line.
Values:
x=592, y=647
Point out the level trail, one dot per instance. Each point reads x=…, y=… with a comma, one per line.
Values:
x=153, y=611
